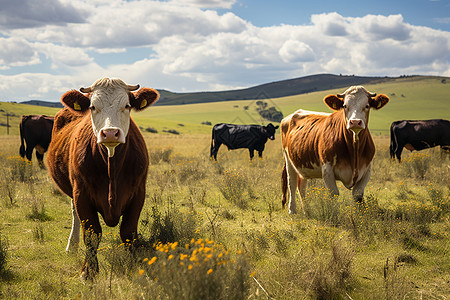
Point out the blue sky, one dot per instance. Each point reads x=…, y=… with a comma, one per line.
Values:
x=434, y=14
x=50, y=46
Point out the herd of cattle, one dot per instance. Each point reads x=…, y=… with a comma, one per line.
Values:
x=97, y=155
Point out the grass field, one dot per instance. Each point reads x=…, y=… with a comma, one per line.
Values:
x=216, y=230
x=396, y=246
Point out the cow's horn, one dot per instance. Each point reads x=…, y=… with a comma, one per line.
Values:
x=133, y=87
x=340, y=95
x=86, y=90
x=372, y=94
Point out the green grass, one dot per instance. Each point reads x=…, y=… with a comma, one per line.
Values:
x=394, y=247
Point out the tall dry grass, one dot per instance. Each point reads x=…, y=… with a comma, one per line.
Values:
x=216, y=230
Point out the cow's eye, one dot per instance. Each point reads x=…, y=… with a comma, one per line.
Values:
x=92, y=108
x=367, y=106
x=128, y=106
x=344, y=106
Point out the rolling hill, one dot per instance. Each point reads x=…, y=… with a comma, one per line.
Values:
x=416, y=97
x=277, y=89
x=283, y=88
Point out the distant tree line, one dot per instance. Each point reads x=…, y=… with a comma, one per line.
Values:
x=268, y=113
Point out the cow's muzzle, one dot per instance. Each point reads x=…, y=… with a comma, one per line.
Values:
x=111, y=138
x=355, y=125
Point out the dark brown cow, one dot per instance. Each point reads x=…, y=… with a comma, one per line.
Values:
x=335, y=146
x=36, y=132
x=98, y=157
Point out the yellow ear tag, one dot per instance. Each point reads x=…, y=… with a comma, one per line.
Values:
x=379, y=104
x=76, y=106
x=143, y=103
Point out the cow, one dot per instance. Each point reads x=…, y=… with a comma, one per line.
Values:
x=333, y=146
x=253, y=137
x=98, y=158
x=418, y=135
x=36, y=132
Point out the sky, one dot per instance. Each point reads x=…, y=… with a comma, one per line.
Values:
x=48, y=47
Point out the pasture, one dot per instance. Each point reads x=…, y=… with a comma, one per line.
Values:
x=216, y=230
x=395, y=246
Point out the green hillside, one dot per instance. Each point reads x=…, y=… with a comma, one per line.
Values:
x=411, y=98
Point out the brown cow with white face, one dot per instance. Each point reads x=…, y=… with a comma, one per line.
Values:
x=98, y=157
x=335, y=146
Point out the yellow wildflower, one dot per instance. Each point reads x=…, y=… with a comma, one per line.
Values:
x=151, y=261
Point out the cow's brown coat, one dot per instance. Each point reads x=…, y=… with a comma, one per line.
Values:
x=310, y=140
x=112, y=186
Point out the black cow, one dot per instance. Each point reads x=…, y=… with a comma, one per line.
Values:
x=253, y=137
x=36, y=130
x=418, y=135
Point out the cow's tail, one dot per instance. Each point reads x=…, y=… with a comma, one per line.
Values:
x=284, y=184
x=211, y=151
x=22, y=145
x=393, y=143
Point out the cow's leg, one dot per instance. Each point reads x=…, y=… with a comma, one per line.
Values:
x=284, y=185
x=29, y=152
x=74, y=238
x=252, y=153
x=215, y=149
x=260, y=154
x=329, y=179
x=40, y=159
x=398, y=152
x=130, y=218
x=301, y=184
x=292, y=177
x=358, y=189
x=92, y=233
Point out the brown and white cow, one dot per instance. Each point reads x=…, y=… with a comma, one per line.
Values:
x=98, y=157
x=336, y=146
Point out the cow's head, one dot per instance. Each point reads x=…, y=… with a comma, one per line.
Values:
x=109, y=102
x=356, y=102
x=270, y=130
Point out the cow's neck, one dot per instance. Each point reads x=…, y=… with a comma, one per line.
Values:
x=355, y=146
x=114, y=165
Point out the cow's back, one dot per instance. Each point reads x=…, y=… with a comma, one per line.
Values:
x=307, y=134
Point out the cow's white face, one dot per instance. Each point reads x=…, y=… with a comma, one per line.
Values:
x=110, y=102
x=110, y=115
x=356, y=102
x=356, y=109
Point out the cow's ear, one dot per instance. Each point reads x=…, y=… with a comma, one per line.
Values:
x=75, y=100
x=143, y=98
x=333, y=102
x=379, y=101
x=276, y=127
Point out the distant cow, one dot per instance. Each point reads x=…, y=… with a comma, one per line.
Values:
x=253, y=137
x=98, y=157
x=418, y=135
x=36, y=132
x=336, y=146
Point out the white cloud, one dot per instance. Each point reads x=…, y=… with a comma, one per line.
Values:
x=384, y=27
x=205, y=3
x=331, y=24
x=296, y=51
x=17, y=52
x=188, y=48
x=31, y=13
